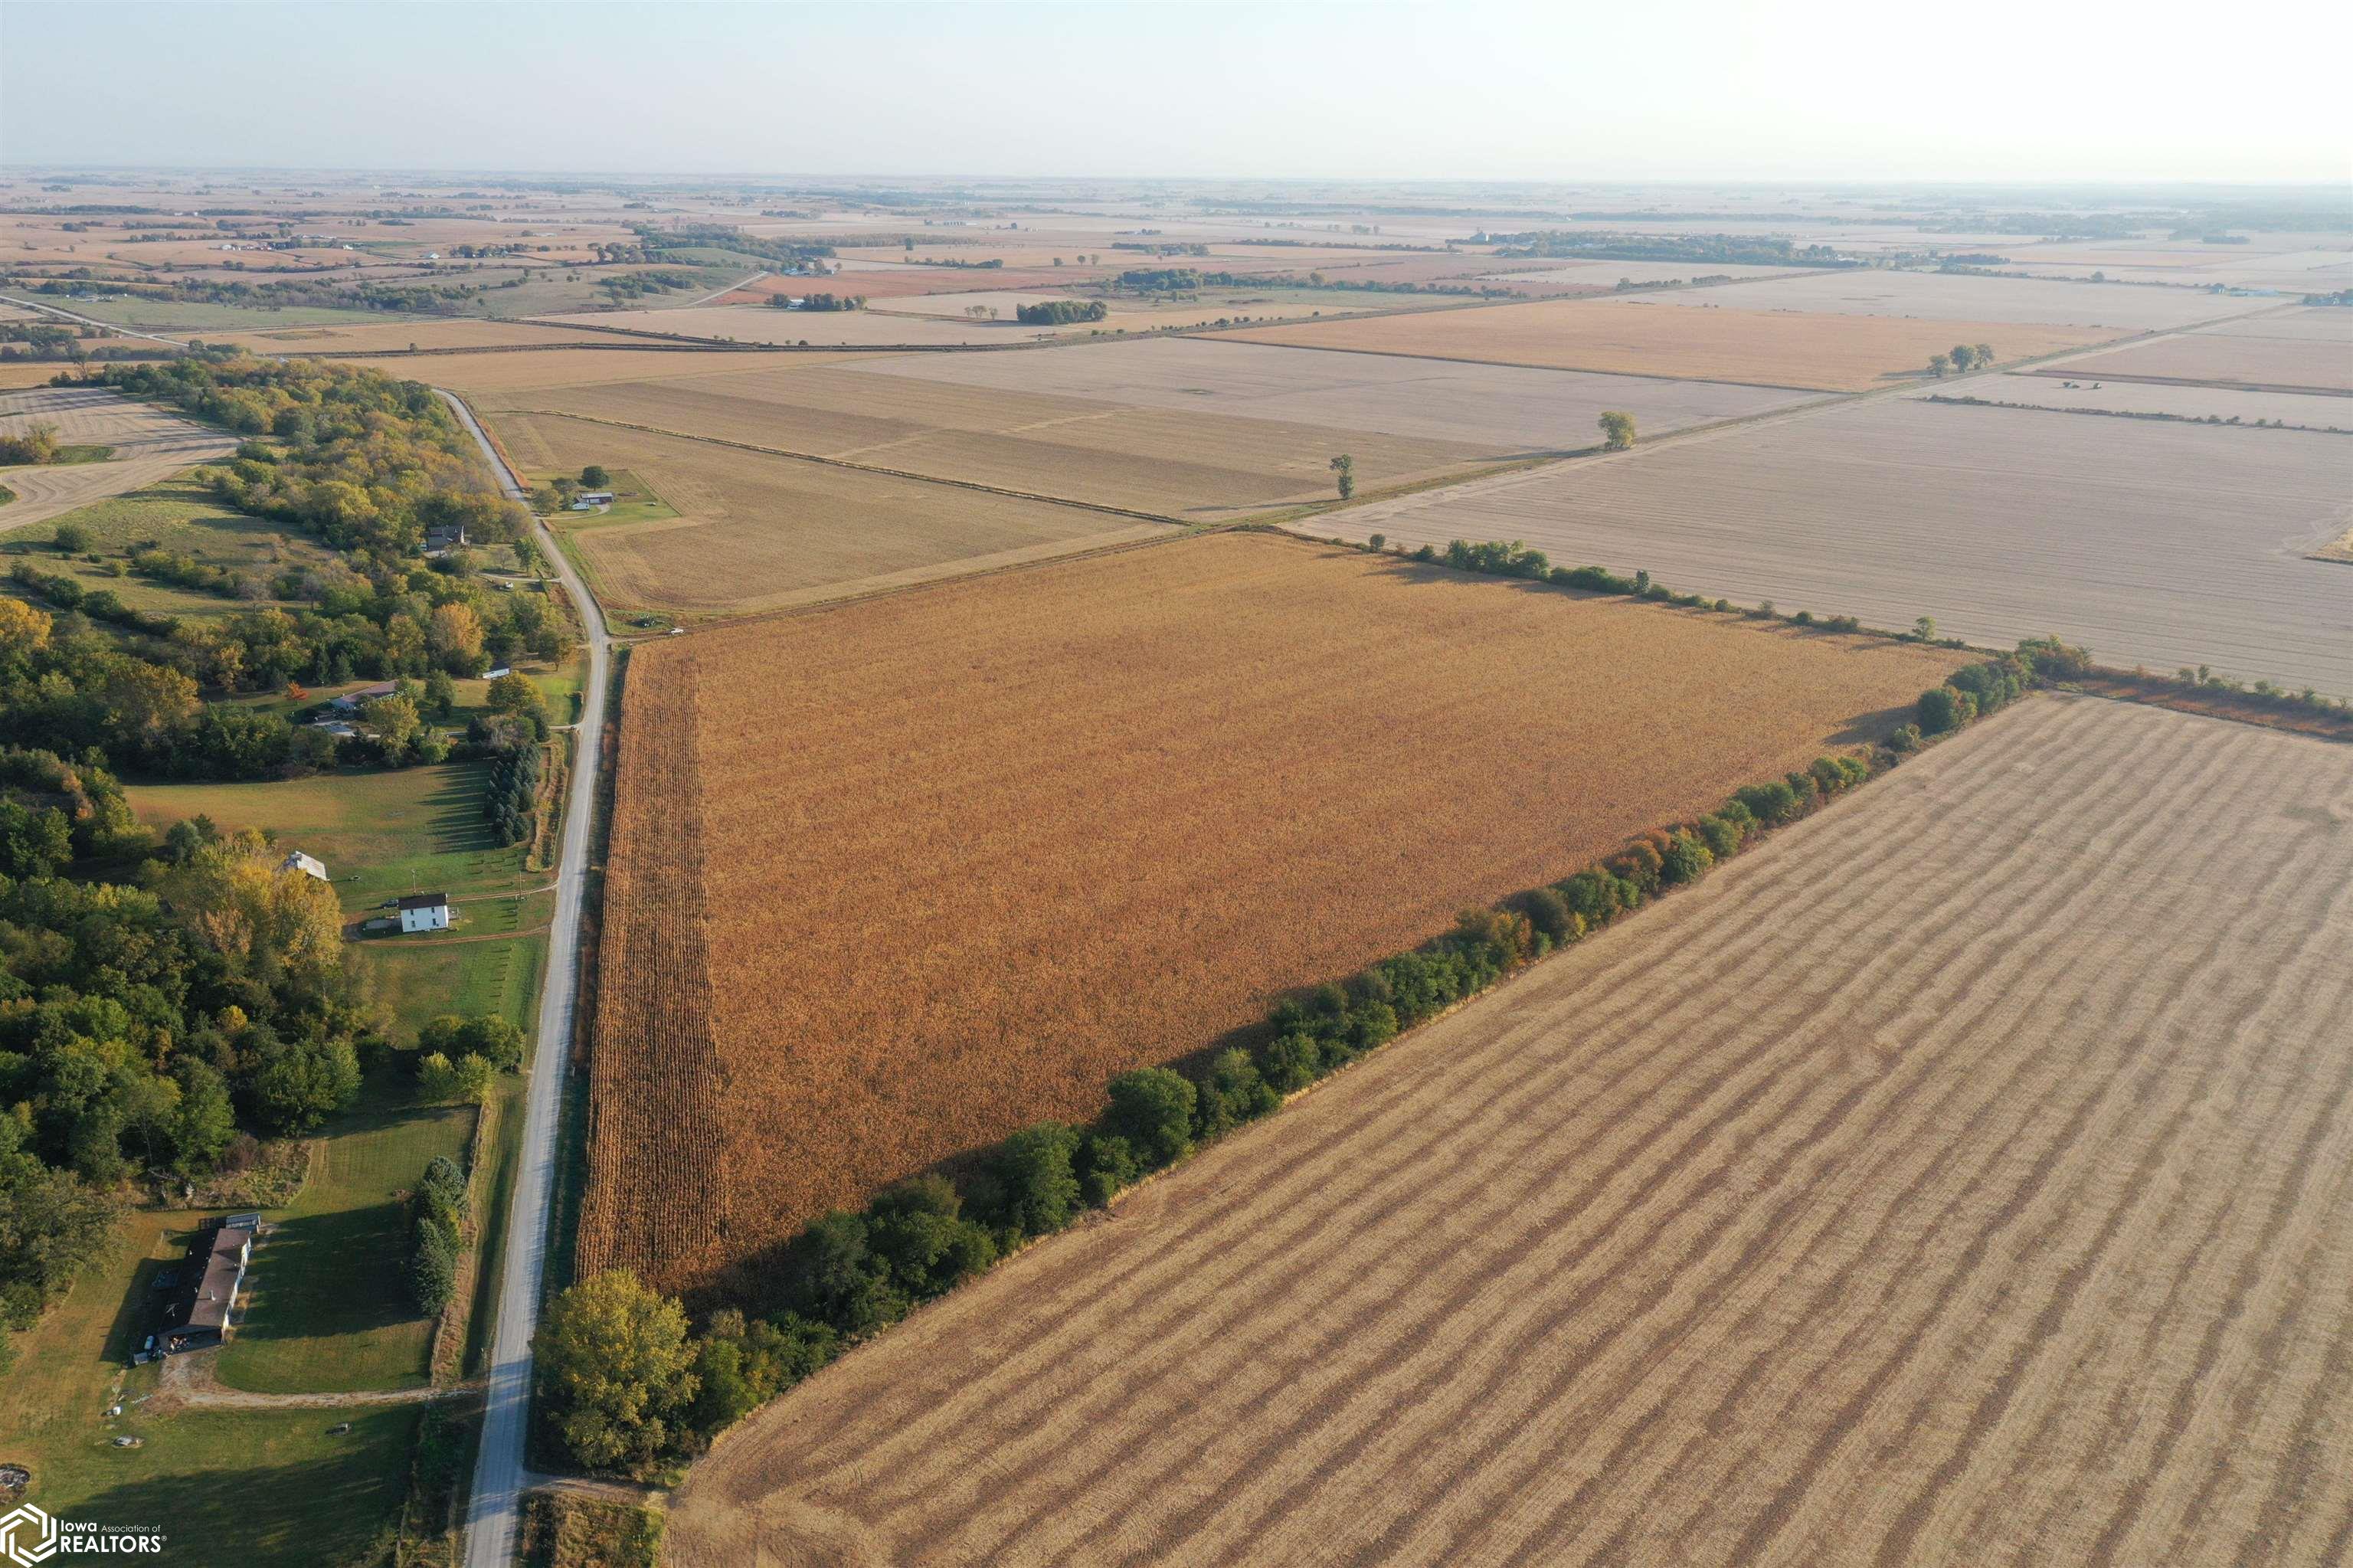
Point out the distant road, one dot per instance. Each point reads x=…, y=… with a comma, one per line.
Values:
x=501, y=1475
x=91, y=320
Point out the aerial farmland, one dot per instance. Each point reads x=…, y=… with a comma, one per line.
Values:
x=2008, y=1233
x=1621, y=840
x=1128, y=741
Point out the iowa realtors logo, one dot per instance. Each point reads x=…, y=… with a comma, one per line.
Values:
x=29, y=1537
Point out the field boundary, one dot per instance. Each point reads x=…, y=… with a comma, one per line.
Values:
x=858, y=467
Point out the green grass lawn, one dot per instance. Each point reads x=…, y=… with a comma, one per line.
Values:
x=269, y=1489
x=328, y=1305
x=634, y=501
x=381, y=833
x=422, y=979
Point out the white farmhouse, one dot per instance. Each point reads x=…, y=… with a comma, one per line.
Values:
x=425, y=912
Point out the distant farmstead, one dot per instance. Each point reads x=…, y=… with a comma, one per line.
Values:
x=425, y=912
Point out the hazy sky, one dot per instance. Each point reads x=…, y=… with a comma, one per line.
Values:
x=2002, y=90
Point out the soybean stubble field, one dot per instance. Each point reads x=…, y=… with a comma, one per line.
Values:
x=905, y=875
x=2168, y=544
x=1965, y=1177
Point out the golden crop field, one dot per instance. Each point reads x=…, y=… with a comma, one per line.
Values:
x=1964, y=1177
x=756, y=532
x=1770, y=348
x=907, y=875
x=1171, y=463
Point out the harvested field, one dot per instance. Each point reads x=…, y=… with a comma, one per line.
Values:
x=2158, y=544
x=765, y=324
x=1170, y=463
x=2120, y=307
x=1638, y=337
x=2020, y=1232
x=491, y=375
x=1018, y=835
x=149, y=445
x=2065, y=388
x=1516, y=408
x=1131, y=313
x=756, y=532
x=2332, y=323
x=2281, y=363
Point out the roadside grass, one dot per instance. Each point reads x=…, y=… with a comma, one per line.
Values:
x=503, y=1158
x=267, y=1488
x=327, y=1296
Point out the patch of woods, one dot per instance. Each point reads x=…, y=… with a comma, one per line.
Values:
x=784, y=301
x=361, y=462
x=1061, y=312
x=627, y=1385
x=154, y=1024
x=35, y=443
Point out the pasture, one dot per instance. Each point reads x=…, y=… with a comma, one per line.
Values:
x=1502, y=407
x=906, y=874
x=2156, y=544
x=149, y=444
x=395, y=337
x=760, y=532
x=1964, y=1177
x=1648, y=336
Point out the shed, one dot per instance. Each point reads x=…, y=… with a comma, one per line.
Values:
x=425, y=912
x=199, y=1315
x=308, y=865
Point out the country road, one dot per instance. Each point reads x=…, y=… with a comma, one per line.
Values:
x=499, y=1473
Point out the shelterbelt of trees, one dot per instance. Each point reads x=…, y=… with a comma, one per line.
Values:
x=149, y=1026
x=364, y=464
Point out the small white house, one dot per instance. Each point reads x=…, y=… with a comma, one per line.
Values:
x=425, y=912
x=495, y=671
x=308, y=865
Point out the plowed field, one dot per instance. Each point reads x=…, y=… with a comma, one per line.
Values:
x=892, y=880
x=1964, y=1177
x=149, y=445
